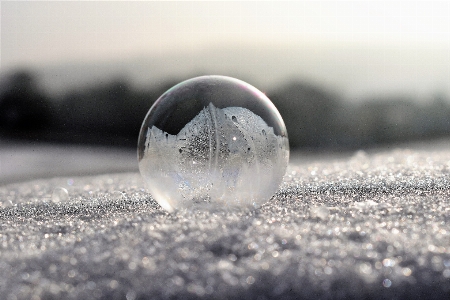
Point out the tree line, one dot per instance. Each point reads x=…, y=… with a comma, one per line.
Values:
x=112, y=113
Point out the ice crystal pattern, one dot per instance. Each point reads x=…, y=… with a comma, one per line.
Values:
x=225, y=157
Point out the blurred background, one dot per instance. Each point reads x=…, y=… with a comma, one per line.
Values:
x=77, y=78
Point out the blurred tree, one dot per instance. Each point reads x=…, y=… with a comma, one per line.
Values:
x=310, y=114
x=111, y=113
x=22, y=105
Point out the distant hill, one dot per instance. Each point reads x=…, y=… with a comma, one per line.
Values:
x=262, y=68
x=352, y=71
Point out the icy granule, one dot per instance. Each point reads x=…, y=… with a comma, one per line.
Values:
x=60, y=194
x=6, y=203
x=385, y=236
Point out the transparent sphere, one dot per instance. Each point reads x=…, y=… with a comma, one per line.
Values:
x=60, y=194
x=213, y=141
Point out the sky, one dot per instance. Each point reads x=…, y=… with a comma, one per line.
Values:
x=355, y=47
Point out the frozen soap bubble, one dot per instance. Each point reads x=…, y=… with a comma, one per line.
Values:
x=213, y=141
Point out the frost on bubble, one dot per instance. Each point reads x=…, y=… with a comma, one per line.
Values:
x=228, y=156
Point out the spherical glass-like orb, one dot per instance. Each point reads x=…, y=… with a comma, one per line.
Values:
x=213, y=141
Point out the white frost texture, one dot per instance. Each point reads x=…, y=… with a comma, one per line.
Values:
x=225, y=157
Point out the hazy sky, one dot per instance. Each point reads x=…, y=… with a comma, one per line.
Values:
x=387, y=38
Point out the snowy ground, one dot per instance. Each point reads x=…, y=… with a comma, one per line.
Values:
x=368, y=226
x=26, y=161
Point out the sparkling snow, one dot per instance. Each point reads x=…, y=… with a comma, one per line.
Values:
x=373, y=225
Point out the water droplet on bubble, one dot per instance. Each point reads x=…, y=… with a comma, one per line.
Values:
x=213, y=141
x=60, y=194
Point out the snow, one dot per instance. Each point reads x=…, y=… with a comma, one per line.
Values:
x=373, y=225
